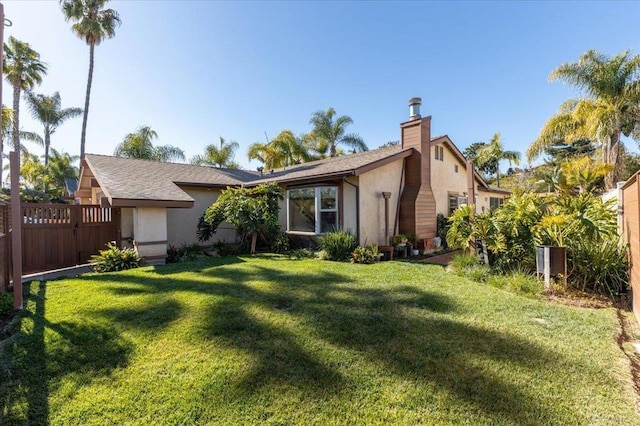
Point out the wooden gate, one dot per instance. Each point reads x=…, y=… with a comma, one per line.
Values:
x=60, y=235
x=631, y=233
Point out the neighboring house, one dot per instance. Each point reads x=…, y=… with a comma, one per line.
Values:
x=70, y=187
x=162, y=202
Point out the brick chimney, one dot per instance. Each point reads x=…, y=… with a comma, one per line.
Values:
x=417, y=204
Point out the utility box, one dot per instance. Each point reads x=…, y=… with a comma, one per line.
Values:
x=551, y=261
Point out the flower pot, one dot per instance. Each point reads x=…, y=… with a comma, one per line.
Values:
x=415, y=252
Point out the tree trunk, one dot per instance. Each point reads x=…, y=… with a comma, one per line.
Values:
x=254, y=239
x=612, y=152
x=15, y=137
x=86, y=103
x=498, y=178
x=47, y=144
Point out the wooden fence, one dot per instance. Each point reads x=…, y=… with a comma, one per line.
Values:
x=5, y=246
x=630, y=204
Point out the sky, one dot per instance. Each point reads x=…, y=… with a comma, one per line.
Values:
x=197, y=70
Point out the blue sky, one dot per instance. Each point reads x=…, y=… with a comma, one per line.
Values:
x=197, y=70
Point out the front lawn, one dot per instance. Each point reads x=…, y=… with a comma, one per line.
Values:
x=265, y=339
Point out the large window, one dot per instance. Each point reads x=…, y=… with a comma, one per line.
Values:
x=312, y=210
x=495, y=202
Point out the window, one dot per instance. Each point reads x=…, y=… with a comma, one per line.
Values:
x=456, y=168
x=312, y=210
x=495, y=202
x=456, y=201
x=439, y=153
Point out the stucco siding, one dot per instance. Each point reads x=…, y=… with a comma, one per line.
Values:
x=445, y=180
x=349, y=205
x=182, y=223
x=383, y=179
x=126, y=226
x=483, y=200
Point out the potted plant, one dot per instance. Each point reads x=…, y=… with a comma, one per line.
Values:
x=400, y=242
x=412, y=244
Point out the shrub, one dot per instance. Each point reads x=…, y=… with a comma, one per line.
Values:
x=366, y=255
x=6, y=305
x=115, y=259
x=185, y=253
x=338, y=245
x=303, y=253
x=443, y=228
x=602, y=268
x=517, y=282
x=468, y=266
x=280, y=243
x=230, y=249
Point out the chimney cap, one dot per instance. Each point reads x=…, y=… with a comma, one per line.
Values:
x=415, y=101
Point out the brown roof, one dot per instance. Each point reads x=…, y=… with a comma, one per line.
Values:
x=353, y=164
x=131, y=179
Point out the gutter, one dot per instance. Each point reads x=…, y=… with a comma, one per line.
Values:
x=357, y=187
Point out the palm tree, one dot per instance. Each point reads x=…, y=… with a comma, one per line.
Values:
x=284, y=150
x=61, y=166
x=493, y=152
x=140, y=145
x=218, y=156
x=23, y=70
x=610, y=106
x=6, y=133
x=93, y=24
x=48, y=111
x=329, y=133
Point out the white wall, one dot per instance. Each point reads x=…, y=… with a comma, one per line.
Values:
x=150, y=231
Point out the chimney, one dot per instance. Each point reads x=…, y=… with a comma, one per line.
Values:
x=417, y=204
x=414, y=108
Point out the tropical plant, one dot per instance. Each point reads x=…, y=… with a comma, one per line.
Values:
x=114, y=258
x=365, y=255
x=467, y=229
x=487, y=168
x=48, y=111
x=252, y=211
x=329, y=132
x=61, y=166
x=610, y=107
x=23, y=69
x=338, y=245
x=140, y=145
x=585, y=174
x=93, y=24
x=218, y=156
x=493, y=152
x=284, y=150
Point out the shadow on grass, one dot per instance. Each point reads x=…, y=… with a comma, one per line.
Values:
x=404, y=328
x=32, y=359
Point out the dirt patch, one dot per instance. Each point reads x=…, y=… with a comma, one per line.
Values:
x=581, y=300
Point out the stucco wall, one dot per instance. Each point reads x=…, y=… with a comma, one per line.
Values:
x=445, y=180
x=182, y=223
x=349, y=210
x=150, y=230
x=372, y=184
x=126, y=225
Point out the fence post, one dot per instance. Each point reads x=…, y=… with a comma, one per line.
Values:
x=16, y=229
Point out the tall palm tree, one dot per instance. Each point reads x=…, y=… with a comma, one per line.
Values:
x=284, y=150
x=61, y=166
x=609, y=108
x=218, y=156
x=493, y=152
x=48, y=111
x=93, y=24
x=23, y=70
x=330, y=132
x=140, y=145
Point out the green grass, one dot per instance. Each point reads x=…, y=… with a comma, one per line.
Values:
x=247, y=340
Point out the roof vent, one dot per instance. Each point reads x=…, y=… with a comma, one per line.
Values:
x=414, y=108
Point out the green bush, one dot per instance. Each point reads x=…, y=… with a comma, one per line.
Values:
x=442, y=229
x=230, y=249
x=517, y=282
x=366, y=255
x=185, y=253
x=280, y=243
x=115, y=259
x=468, y=266
x=601, y=268
x=6, y=305
x=338, y=245
x=303, y=253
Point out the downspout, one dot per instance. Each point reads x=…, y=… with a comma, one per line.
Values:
x=400, y=191
x=357, y=187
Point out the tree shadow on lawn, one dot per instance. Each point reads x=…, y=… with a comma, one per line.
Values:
x=402, y=327
x=33, y=362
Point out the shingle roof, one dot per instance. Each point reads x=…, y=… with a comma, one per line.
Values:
x=150, y=180
x=348, y=164
x=125, y=178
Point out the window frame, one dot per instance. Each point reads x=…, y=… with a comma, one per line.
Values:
x=318, y=210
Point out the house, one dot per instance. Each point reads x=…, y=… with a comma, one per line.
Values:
x=375, y=194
